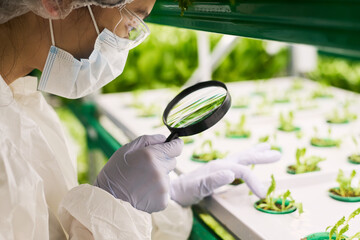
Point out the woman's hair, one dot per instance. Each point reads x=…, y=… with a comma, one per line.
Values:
x=12, y=8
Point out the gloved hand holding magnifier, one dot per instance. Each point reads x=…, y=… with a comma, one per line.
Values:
x=196, y=109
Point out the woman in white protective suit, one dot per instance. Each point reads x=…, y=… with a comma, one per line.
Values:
x=81, y=45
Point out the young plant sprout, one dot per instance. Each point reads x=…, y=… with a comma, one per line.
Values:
x=283, y=98
x=287, y=123
x=259, y=89
x=345, y=190
x=150, y=110
x=355, y=158
x=267, y=138
x=241, y=102
x=135, y=102
x=343, y=116
x=238, y=130
x=305, y=104
x=322, y=91
x=263, y=108
x=304, y=165
x=187, y=140
x=342, y=226
x=206, y=153
x=324, y=142
x=337, y=232
x=299, y=134
x=297, y=84
x=284, y=203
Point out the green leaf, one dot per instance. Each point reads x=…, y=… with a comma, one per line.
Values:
x=264, y=139
x=354, y=140
x=353, y=214
x=272, y=186
x=335, y=228
x=342, y=231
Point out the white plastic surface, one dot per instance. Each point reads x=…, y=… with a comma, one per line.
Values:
x=232, y=205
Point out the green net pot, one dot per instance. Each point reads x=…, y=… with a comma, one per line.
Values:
x=323, y=96
x=196, y=158
x=326, y=142
x=237, y=135
x=354, y=159
x=342, y=121
x=320, y=236
x=279, y=201
x=259, y=93
x=237, y=181
x=281, y=101
x=240, y=106
x=341, y=198
x=291, y=170
x=147, y=115
x=294, y=129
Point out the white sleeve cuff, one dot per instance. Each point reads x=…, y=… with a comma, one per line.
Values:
x=103, y=215
x=175, y=223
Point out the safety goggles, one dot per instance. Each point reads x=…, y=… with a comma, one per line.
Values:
x=131, y=27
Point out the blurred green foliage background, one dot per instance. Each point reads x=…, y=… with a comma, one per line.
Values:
x=168, y=57
x=339, y=72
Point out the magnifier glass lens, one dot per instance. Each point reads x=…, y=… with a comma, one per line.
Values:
x=196, y=106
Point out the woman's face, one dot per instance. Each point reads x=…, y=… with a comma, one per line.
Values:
x=76, y=33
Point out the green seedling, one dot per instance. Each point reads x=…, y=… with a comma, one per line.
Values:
x=187, y=140
x=267, y=139
x=342, y=226
x=299, y=134
x=238, y=130
x=287, y=123
x=324, y=142
x=136, y=103
x=283, y=202
x=355, y=158
x=242, y=102
x=263, y=108
x=207, y=153
x=259, y=89
x=283, y=98
x=150, y=110
x=305, y=104
x=343, y=116
x=304, y=165
x=346, y=189
x=297, y=84
x=322, y=91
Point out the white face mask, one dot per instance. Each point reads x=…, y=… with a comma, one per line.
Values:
x=65, y=76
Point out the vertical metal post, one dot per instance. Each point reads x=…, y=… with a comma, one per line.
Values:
x=204, y=56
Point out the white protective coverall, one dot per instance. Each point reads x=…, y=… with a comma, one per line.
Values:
x=39, y=193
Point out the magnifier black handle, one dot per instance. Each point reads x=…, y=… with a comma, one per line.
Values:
x=172, y=136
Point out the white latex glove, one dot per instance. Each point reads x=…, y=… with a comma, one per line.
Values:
x=190, y=188
x=138, y=172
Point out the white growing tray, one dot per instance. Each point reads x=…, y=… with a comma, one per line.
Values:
x=233, y=206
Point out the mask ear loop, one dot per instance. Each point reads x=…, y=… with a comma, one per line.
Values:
x=51, y=32
x=94, y=21
x=121, y=18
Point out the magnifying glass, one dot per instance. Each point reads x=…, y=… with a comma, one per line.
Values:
x=196, y=109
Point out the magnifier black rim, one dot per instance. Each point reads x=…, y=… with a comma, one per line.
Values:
x=210, y=121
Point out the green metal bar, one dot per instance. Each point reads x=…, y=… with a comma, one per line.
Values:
x=97, y=136
x=333, y=25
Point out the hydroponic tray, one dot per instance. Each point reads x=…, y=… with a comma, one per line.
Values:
x=233, y=206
